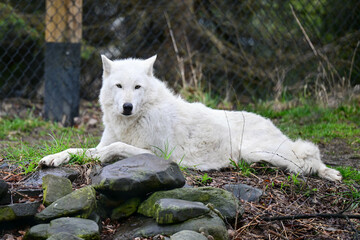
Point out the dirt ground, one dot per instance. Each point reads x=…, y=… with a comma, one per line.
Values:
x=313, y=208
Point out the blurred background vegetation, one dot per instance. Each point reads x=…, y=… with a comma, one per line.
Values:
x=236, y=51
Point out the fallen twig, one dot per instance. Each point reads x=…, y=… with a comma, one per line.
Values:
x=307, y=216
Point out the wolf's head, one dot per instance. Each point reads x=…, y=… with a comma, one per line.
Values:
x=125, y=83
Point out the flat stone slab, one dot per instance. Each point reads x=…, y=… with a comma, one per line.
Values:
x=170, y=211
x=244, y=192
x=138, y=226
x=63, y=236
x=18, y=211
x=81, y=228
x=137, y=176
x=222, y=200
x=36, y=178
x=188, y=235
x=79, y=203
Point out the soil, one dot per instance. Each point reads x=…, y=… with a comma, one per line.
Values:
x=283, y=195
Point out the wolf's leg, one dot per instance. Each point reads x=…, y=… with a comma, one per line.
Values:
x=297, y=157
x=308, y=154
x=263, y=141
x=59, y=158
x=118, y=150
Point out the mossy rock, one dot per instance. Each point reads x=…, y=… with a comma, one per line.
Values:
x=125, y=209
x=54, y=188
x=222, y=200
x=188, y=235
x=140, y=226
x=137, y=176
x=7, y=214
x=79, y=203
x=81, y=228
x=63, y=236
x=170, y=210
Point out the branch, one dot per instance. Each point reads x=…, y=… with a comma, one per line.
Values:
x=307, y=216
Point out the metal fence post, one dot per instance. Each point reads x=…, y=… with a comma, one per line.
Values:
x=62, y=60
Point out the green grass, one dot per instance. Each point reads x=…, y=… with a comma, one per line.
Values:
x=205, y=179
x=165, y=152
x=350, y=174
x=27, y=155
x=12, y=128
x=242, y=167
x=25, y=141
x=82, y=159
x=316, y=123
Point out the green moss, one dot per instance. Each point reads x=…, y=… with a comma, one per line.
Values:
x=37, y=232
x=126, y=209
x=167, y=219
x=7, y=214
x=222, y=200
x=79, y=203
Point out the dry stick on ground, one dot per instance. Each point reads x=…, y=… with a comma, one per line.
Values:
x=307, y=216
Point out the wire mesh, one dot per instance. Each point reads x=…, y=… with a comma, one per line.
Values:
x=236, y=50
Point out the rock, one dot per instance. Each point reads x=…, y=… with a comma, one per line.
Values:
x=188, y=235
x=95, y=217
x=139, y=226
x=63, y=236
x=18, y=211
x=4, y=165
x=3, y=188
x=37, y=232
x=125, y=209
x=224, y=201
x=54, y=188
x=22, y=210
x=19, y=194
x=6, y=199
x=105, y=205
x=81, y=228
x=169, y=210
x=136, y=176
x=244, y=192
x=5, y=195
x=36, y=178
x=7, y=214
x=79, y=203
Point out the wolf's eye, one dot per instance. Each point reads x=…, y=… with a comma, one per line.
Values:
x=119, y=85
x=137, y=86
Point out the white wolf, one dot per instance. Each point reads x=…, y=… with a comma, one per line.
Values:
x=140, y=114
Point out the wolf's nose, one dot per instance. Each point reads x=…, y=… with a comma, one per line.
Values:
x=128, y=107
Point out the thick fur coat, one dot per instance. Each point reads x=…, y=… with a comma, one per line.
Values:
x=142, y=115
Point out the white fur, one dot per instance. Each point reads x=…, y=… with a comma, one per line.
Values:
x=200, y=137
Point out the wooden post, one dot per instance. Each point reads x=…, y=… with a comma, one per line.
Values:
x=63, y=34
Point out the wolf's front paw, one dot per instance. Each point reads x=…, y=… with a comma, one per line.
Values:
x=55, y=160
x=330, y=174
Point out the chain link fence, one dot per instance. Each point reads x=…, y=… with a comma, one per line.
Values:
x=236, y=50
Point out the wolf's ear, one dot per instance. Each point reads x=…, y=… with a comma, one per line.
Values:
x=149, y=64
x=106, y=65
